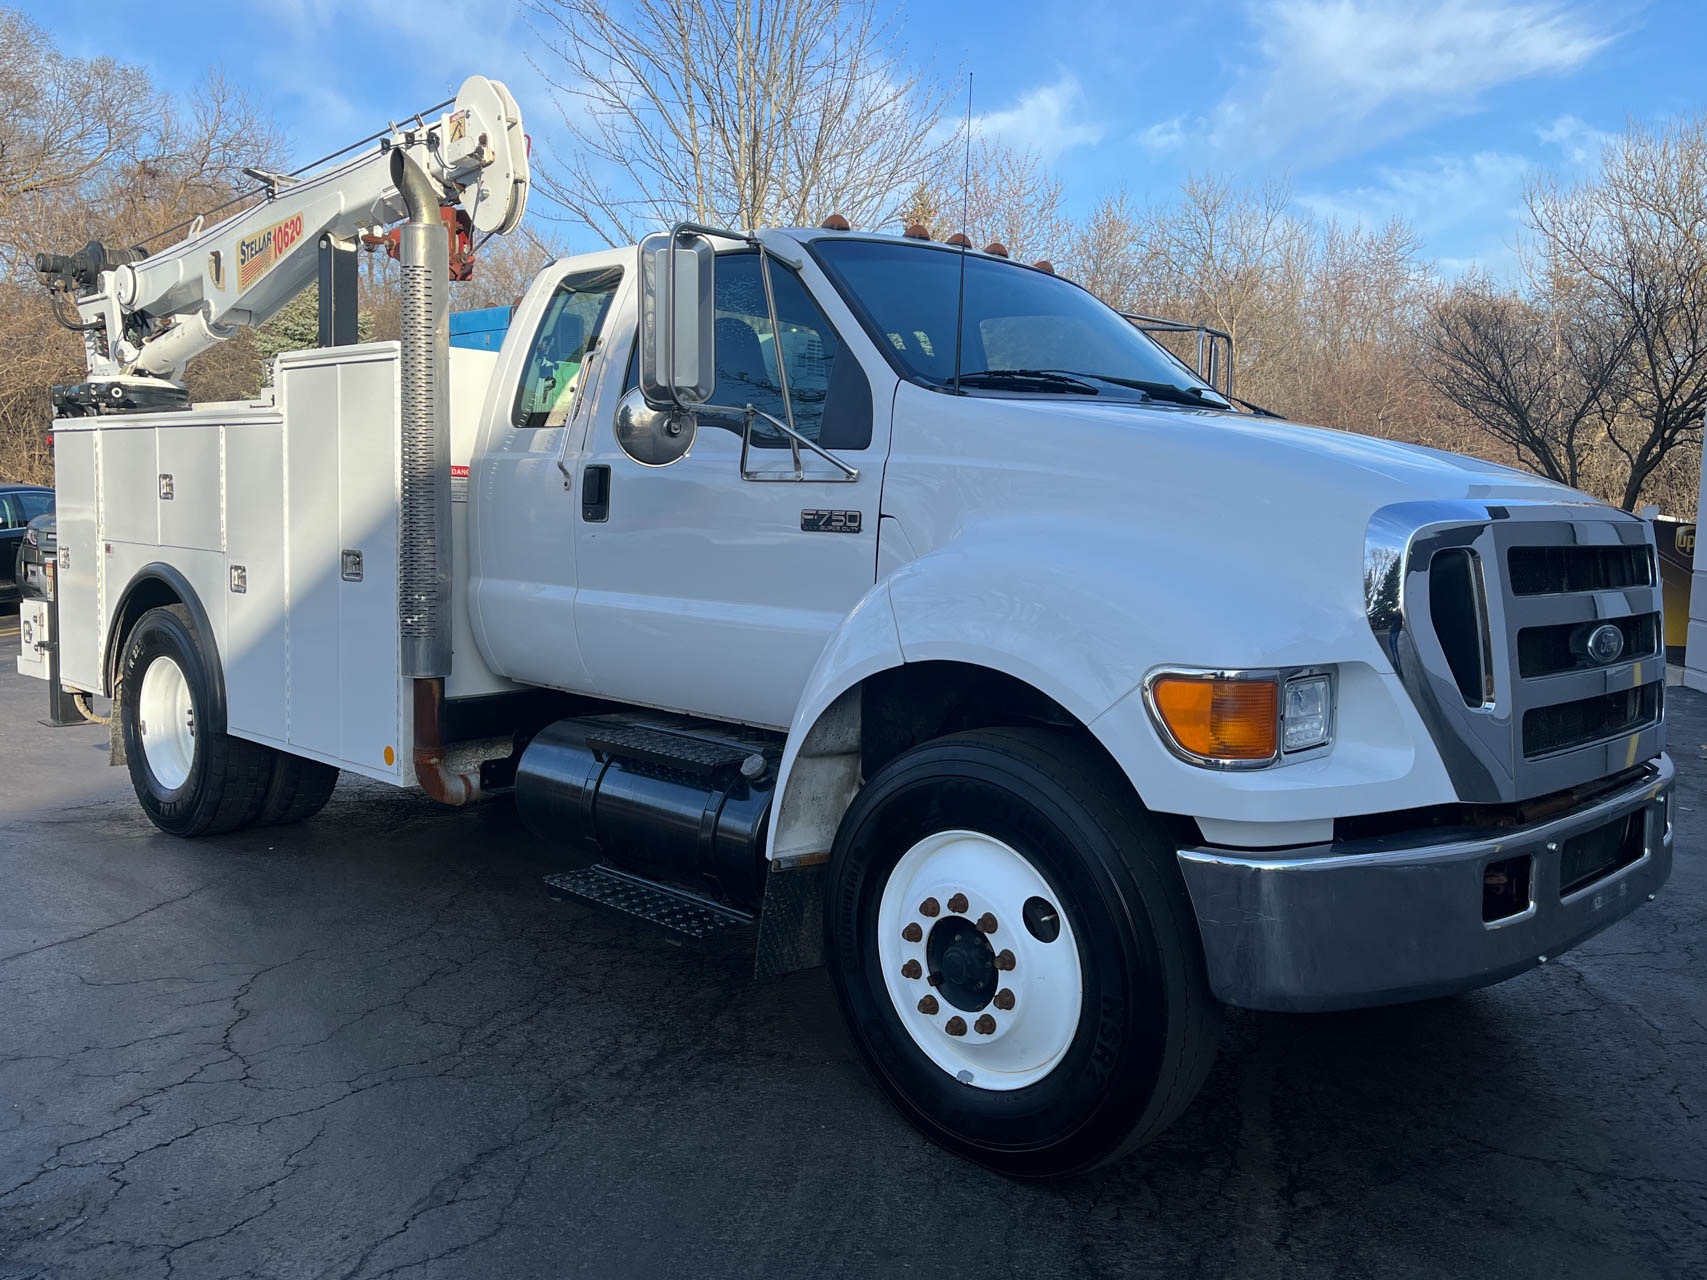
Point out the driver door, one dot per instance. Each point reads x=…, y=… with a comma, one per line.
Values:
x=707, y=593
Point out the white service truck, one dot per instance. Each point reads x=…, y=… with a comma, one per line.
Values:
x=900, y=597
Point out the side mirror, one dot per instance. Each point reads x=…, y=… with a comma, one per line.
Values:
x=678, y=320
x=653, y=437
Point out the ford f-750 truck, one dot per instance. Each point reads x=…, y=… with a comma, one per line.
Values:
x=901, y=599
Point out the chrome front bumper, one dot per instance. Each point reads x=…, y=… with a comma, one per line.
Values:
x=1345, y=926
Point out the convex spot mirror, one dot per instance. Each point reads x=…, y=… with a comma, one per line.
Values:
x=678, y=366
x=653, y=437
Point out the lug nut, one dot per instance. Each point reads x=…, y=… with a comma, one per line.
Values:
x=935, y=979
x=986, y=923
x=1004, y=1000
x=985, y=1026
x=911, y=969
x=955, y=1026
x=930, y=907
x=958, y=903
x=1005, y=961
x=912, y=933
x=928, y=1005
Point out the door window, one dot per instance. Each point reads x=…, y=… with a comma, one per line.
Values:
x=35, y=504
x=11, y=513
x=828, y=389
x=572, y=318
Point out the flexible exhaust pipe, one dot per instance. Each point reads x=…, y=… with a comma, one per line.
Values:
x=423, y=569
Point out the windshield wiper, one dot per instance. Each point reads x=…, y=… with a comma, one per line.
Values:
x=1257, y=409
x=1028, y=380
x=1197, y=397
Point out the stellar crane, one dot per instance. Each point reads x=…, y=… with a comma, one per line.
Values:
x=145, y=315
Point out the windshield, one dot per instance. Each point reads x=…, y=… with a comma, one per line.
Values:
x=1025, y=331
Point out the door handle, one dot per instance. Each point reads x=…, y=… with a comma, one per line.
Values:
x=595, y=493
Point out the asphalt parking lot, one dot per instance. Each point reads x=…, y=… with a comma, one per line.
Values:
x=372, y=1046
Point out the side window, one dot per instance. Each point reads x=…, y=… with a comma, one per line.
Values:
x=829, y=390
x=36, y=504
x=11, y=514
x=571, y=324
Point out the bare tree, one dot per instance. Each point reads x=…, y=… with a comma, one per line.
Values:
x=63, y=118
x=89, y=149
x=1107, y=254
x=743, y=113
x=993, y=194
x=1533, y=373
x=1633, y=241
x=1354, y=342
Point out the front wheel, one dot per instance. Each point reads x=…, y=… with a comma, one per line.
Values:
x=1014, y=953
x=190, y=780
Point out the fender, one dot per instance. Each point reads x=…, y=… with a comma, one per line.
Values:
x=806, y=814
x=1082, y=612
x=1083, y=609
x=178, y=585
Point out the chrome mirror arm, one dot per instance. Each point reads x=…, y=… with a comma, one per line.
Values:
x=749, y=414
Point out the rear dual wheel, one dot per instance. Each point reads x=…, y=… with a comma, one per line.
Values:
x=1014, y=953
x=192, y=781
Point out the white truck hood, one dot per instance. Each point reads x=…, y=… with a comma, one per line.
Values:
x=1252, y=530
x=1278, y=456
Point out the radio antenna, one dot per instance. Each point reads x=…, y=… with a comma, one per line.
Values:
x=965, y=239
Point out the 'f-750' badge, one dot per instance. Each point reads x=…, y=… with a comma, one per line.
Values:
x=830, y=521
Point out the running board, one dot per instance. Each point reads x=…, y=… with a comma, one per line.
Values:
x=674, y=911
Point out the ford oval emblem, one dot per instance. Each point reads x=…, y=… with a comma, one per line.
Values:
x=1605, y=643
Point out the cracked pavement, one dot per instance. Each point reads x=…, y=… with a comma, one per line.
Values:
x=372, y=1046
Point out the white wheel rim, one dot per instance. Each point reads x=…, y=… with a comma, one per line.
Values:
x=1021, y=1033
x=166, y=721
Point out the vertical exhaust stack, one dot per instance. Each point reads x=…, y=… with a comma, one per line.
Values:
x=424, y=586
x=424, y=571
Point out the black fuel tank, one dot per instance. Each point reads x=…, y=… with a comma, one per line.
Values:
x=666, y=799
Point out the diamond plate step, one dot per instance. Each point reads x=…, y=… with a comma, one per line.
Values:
x=675, y=911
x=696, y=756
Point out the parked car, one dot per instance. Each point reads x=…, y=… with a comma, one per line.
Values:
x=39, y=547
x=19, y=504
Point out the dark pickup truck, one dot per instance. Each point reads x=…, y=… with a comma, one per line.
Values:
x=19, y=505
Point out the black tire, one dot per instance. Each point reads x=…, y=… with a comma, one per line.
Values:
x=1148, y=1026
x=299, y=789
x=227, y=777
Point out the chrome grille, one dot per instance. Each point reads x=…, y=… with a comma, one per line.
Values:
x=1565, y=725
x=1540, y=571
x=1485, y=612
x=1550, y=650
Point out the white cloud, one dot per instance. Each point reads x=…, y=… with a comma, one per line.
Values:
x=1338, y=76
x=1045, y=121
x=1579, y=142
x=1163, y=136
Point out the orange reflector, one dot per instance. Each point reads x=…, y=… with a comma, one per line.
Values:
x=1218, y=718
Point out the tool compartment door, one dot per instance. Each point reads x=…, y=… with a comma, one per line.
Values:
x=342, y=442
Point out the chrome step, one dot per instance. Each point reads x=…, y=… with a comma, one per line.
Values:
x=675, y=911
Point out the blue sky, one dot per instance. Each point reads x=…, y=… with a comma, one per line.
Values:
x=1430, y=109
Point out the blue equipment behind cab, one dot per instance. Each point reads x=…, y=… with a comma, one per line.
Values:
x=480, y=330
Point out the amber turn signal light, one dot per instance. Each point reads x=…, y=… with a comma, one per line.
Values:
x=1219, y=718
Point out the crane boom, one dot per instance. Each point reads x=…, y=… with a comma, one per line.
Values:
x=144, y=316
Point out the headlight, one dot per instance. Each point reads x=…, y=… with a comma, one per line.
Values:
x=29, y=537
x=1308, y=718
x=1241, y=719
